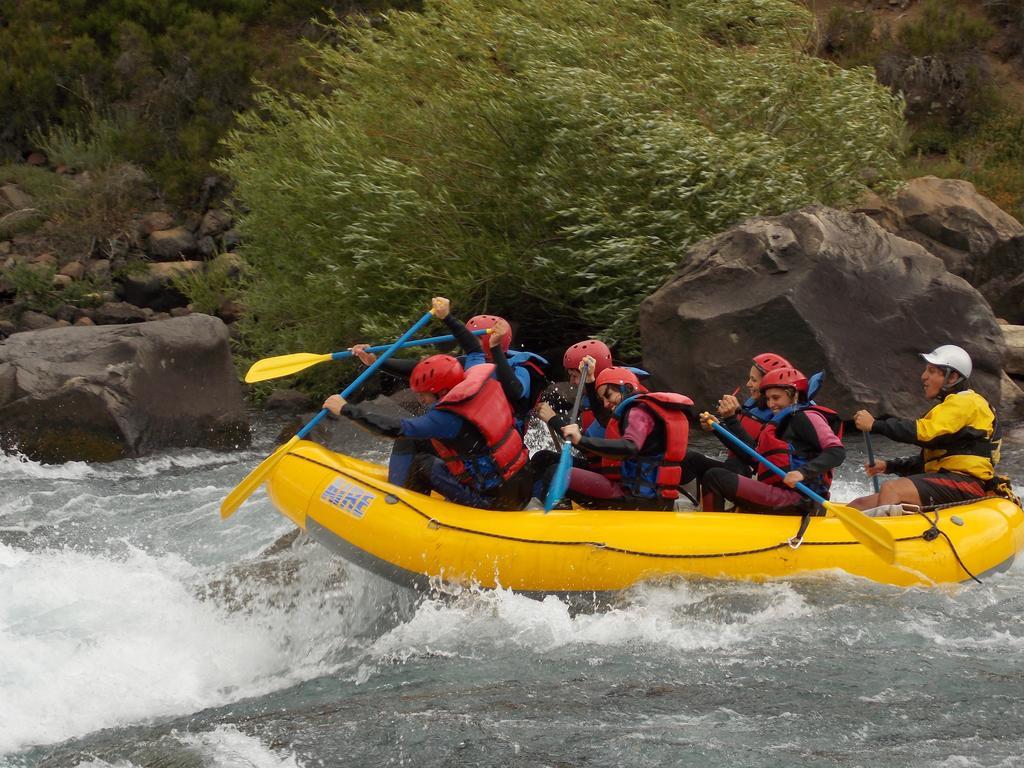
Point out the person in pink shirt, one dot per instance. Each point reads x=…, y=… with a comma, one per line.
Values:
x=802, y=438
x=641, y=452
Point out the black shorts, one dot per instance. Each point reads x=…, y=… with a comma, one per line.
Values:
x=946, y=487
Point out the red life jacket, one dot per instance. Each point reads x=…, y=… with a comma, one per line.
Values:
x=610, y=466
x=751, y=425
x=781, y=453
x=587, y=418
x=659, y=474
x=480, y=400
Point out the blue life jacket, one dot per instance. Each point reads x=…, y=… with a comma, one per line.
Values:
x=753, y=408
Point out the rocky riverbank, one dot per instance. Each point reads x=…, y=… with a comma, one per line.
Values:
x=136, y=263
x=854, y=292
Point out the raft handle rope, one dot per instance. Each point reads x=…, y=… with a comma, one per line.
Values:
x=798, y=539
x=934, y=532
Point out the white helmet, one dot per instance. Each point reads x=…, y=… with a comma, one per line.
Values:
x=950, y=356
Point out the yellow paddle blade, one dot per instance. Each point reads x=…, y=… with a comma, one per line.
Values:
x=282, y=365
x=866, y=530
x=253, y=480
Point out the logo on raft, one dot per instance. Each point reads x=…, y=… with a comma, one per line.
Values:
x=347, y=497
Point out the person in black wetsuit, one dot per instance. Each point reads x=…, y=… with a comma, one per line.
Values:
x=479, y=458
x=518, y=373
x=802, y=438
x=751, y=416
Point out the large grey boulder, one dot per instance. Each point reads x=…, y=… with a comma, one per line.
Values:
x=171, y=244
x=1014, y=337
x=155, y=286
x=108, y=392
x=828, y=289
x=975, y=238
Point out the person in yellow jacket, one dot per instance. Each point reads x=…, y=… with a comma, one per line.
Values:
x=959, y=440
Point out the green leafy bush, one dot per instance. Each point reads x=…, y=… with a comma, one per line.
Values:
x=46, y=77
x=944, y=29
x=1009, y=14
x=93, y=144
x=550, y=160
x=848, y=34
x=208, y=289
x=34, y=289
x=166, y=76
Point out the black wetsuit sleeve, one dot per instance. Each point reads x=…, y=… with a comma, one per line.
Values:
x=900, y=430
x=804, y=437
x=603, y=446
x=507, y=378
x=904, y=466
x=558, y=421
x=377, y=423
x=463, y=335
x=735, y=428
x=400, y=368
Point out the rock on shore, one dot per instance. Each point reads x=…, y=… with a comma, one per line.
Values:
x=108, y=392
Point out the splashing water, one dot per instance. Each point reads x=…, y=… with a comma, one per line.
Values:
x=136, y=628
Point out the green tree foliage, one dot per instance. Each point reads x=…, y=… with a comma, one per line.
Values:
x=944, y=29
x=160, y=80
x=45, y=75
x=550, y=160
x=848, y=35
x=1008, y=14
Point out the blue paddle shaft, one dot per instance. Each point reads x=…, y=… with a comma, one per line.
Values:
x=370, y=370
x=560, y=482
x=755, y=455
x=414, y=343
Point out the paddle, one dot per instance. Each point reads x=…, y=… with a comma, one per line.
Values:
x=866, y=530
x=871, y=459
x=560, y=481
x=255, y=479
x=286, y=365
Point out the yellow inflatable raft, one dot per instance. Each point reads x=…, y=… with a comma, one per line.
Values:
x=348, y=505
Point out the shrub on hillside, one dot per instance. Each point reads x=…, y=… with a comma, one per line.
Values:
x=938, y=66
x=43, y=81
x=94, y=211
x=180, y=91
x=944, y=29
x=549, y=160
x=1009, y=14
x=168, y=75
x=847, y=33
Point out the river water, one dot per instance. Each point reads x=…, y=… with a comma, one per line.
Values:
x=137, y=629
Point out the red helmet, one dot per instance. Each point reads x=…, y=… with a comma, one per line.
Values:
x=437, y=373
x=596, y=349
x=617, y=376
x=486, y=322
x=785, y=378
x=769, y=361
